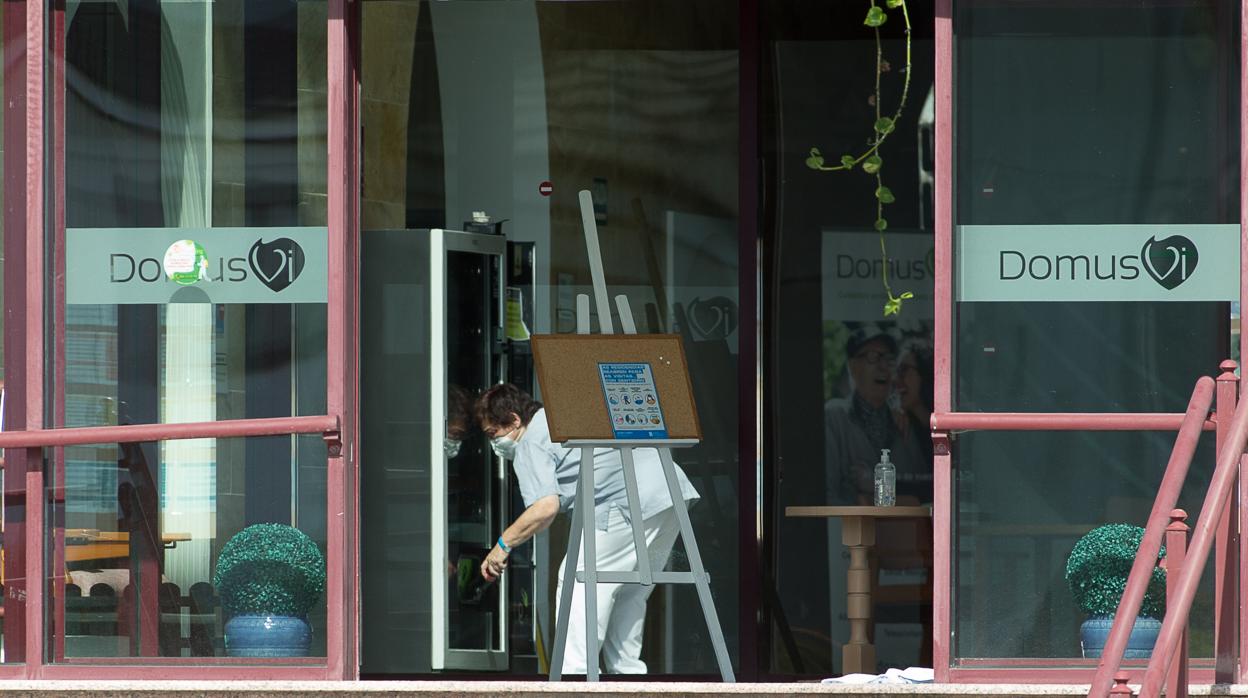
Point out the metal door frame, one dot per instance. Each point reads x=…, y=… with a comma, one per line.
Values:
x=33, y=215
x=443, y=656
x=1232, y=653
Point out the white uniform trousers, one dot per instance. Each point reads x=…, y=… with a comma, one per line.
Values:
x=621, y=607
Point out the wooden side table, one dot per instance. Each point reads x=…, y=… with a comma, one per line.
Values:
x=858, y=535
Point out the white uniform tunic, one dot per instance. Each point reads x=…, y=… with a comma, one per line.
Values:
x=544, y=468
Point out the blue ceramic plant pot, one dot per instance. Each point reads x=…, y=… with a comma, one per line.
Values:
x=1095, y=631
x=267, y=636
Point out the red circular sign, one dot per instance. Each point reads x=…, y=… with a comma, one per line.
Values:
x=545, y=188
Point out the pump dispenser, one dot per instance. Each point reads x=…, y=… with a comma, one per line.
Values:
x=885, y=481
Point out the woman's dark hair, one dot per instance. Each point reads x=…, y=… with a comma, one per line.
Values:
x=458, y=411
x=496, y=405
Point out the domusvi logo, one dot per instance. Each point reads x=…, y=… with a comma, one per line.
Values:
x=1098, y=263
x=277, y=263
x=1171, y=261
x=201, y=265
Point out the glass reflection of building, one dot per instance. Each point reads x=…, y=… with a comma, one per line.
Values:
x=348, y=414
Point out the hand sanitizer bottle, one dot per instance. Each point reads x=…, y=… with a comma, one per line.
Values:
x=885, y=481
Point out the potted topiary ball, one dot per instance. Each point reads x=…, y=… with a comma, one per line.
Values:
x=269, y=576
x=1097, y=572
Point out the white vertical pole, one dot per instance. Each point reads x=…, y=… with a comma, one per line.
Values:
x=565, y=592
x=626, y=314
x=634, y=512
x=582, y=313
x=589, y=527
x=595, y=262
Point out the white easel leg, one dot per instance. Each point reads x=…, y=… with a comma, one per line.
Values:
x=634, y=511
x=695, y=566
x=590, y=526
x=562, y=617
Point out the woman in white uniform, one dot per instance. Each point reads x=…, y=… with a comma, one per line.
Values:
x=547, y=474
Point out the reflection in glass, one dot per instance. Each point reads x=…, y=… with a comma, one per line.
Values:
x=189, y=116
x=1123, y=116
x=473, y=497
x=846, y=381
x=471, y=106
x=1022, y=500
x=135, y=570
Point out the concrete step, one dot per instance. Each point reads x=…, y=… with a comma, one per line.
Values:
x=528, y=689
x=531, y=689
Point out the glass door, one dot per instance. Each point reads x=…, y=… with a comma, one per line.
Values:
x=433, y=491
x=1095, y=246
x=189, y=257
x=474, y=479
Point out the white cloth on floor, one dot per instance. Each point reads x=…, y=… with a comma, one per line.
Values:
x=914, y=674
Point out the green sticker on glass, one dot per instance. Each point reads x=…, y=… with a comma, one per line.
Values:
x=186, y=262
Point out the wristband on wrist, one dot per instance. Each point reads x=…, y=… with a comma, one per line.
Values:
x=504, y=546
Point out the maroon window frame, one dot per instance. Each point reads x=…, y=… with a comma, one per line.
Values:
x=1231, y=636
x=33, y=164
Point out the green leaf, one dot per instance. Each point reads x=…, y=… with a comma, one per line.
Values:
x=893, y=305
x=847, y=161
x=894, y=4
x=884, y=125
x=815, y=161
x=872, y=164
x=885, y=195
x=875, y=17
x=881, y=224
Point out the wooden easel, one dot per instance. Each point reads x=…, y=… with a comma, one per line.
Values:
x=672, y=392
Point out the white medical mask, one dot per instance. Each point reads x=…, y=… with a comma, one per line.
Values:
x=504, y=447
x=451, y=447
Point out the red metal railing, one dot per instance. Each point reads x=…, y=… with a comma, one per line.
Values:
x=1150, y=546
x=1063, y=421
x=1216, y=498
x=1184, y=568
x=326, y=425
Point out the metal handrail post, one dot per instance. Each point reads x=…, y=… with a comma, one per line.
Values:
x=1150, y=545
x=1226, y=559
x=1176, y=551
x=1219, y=492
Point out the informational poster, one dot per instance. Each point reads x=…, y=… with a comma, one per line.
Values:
x=632, y=401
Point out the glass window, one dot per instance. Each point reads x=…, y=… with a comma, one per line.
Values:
x=1022, y=500
x=194, y=246
x=1097, y=195
x=511, y=109
x=846, y=380
x=154, y=554
x=188, y=249
x=1119, y=122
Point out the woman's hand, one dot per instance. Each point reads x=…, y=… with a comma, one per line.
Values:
x=494, y=564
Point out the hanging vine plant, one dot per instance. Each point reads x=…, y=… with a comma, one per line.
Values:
x=870, y=160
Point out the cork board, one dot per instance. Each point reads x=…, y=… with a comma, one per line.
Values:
x=572, y=387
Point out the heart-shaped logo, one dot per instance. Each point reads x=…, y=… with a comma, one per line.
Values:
x=713, y=318
x=277, y=264
x=1171, y=261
